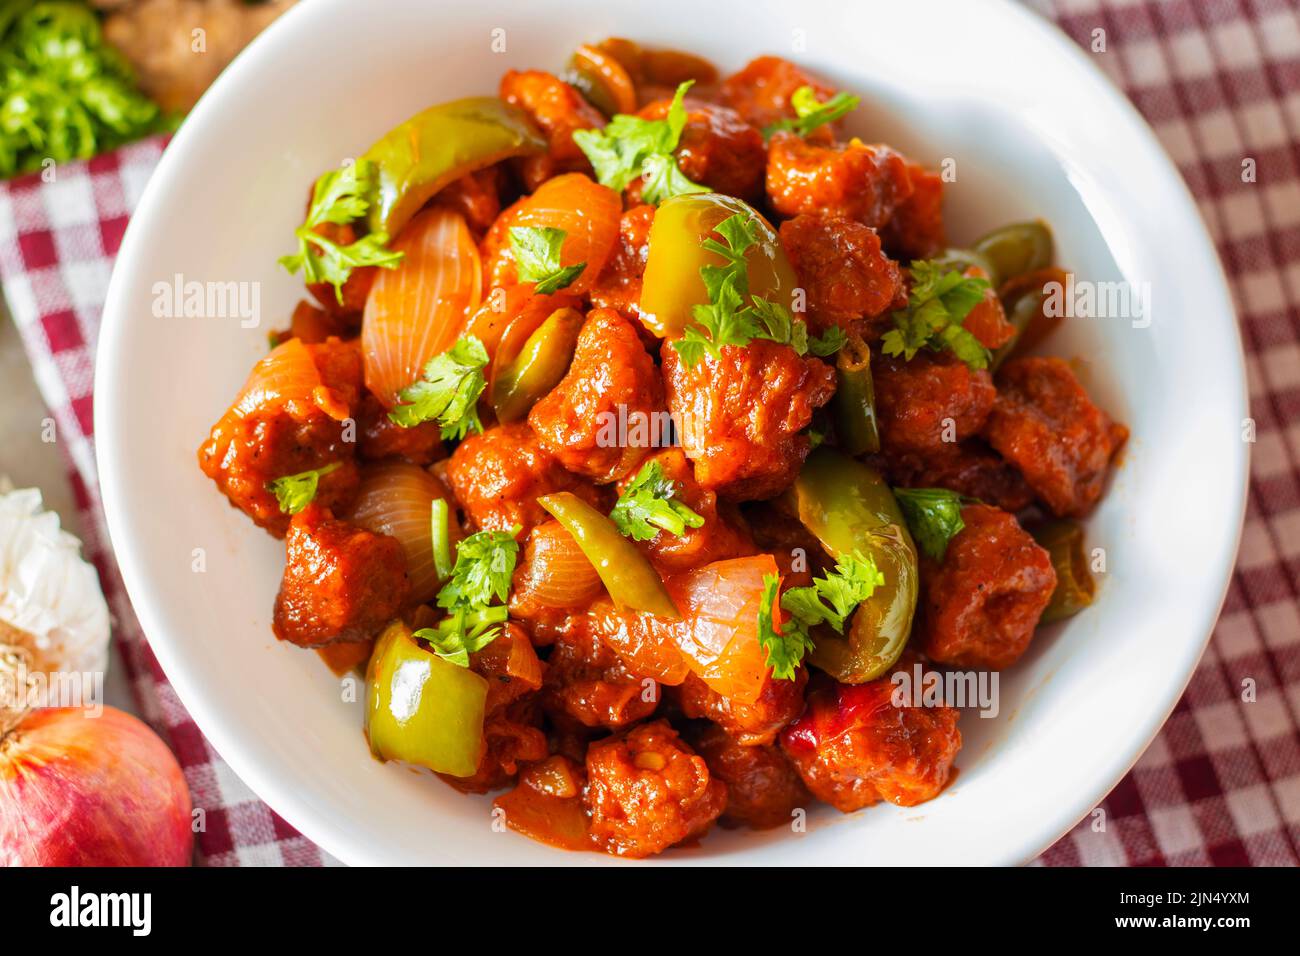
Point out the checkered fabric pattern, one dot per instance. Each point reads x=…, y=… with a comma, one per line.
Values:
x=58, y=240
x=1219, y=80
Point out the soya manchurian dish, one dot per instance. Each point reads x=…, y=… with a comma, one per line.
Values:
x=643, y=428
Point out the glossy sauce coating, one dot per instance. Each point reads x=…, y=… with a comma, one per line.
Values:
x=599, y=724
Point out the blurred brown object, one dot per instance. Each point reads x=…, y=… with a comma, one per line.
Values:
x=179, y=46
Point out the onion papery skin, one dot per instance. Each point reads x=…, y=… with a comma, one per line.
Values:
x=83, y=790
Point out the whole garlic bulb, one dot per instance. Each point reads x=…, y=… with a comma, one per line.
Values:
x=50, y=599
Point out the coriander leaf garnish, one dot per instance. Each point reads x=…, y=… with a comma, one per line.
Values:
x=647, y=506
x=295, y=492
x=485, y=562
x=812, y=112
x=937, y=304
x=448, y=393
x=537, y=253
x=723, y=321
x=830, y=342
x=733, y=316
x=463, y=631
x=630, y=146
x=339, y=197
x=775, y=323
x=933, y=516
x=832, y=598
x=785, y=648
x=65, y=92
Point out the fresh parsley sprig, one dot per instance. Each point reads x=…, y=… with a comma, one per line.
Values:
x=449, y=391
x=295, y=492
x=785, y=648
x=933, y=516
x=937, y=304
x=733, y=316
x=630, y=147
x=811, y=112
x=648, y=506
x=485, y=563
x=537, y=254
x=339, y=197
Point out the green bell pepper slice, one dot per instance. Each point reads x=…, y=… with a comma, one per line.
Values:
x=672, y=284
x=1015, y=249
x=854, y=405
x=848, y=506
x=628, y=576
x=1075, y=587
x=539, y=366
x=955, y=259
x=422, y=710
x=439, y=145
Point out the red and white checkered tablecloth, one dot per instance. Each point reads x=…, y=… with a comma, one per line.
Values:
x=1219, y=80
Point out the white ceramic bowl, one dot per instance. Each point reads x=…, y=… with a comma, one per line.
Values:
x=1035, y=130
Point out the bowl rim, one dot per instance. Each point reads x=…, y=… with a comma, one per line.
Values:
x=277, y=792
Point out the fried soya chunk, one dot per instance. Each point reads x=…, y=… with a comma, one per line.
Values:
x=717, y=149
x=969, y=468
x=988, y=320
x=510, y=665
x=341, y=582
x=513, y=738
x=588, y=682
x=498, y=476
x=751, y=724
x=721, y=536
x=926, y=405
x=763, y=788
x=312, y=325
x=619, y=287
x=915, y=230
x=512, y=725
x=1044, y=423
x=742, y=416
x=379, y=437
x=611, y=379
x=647, y=790
x=288, y=419
x=854, y=746
x=761, y=93
x=559, y=110
x=980, y=605
x=844, y=272
x=476, y=196
x=851, y=180
x=796, y=550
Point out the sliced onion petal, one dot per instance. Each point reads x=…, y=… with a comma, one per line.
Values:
x=417, y=310
x=719, y=633
x=396, y=498
x=554, y=572
x=287, y=373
